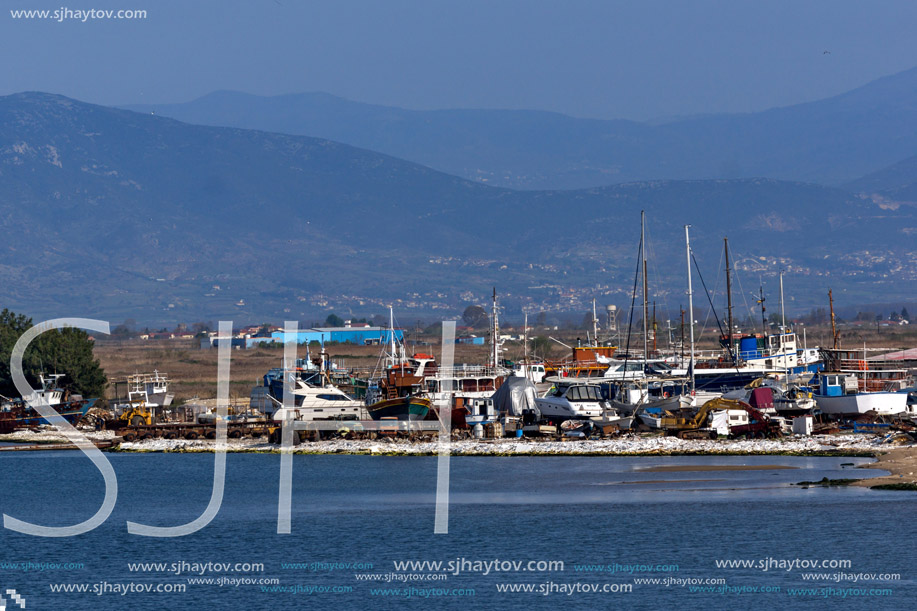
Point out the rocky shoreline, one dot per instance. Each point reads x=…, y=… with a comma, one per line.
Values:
x=627, y=446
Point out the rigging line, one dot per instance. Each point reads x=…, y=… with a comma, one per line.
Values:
x=711, y=309
x=630, y=320
x=657, y=293
x=704, y=284
x=735, y=273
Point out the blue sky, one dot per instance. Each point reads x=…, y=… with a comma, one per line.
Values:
x=607, y=59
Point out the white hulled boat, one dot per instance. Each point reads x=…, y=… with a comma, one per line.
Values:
x=839, y=395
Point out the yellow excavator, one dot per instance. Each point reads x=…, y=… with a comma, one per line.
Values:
x=695, y=425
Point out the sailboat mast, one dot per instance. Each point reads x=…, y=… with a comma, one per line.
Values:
x=782, y=311
x=645, y=283
x=783, y=332
x=728, y=298
x=690, y=307
x=833, y=324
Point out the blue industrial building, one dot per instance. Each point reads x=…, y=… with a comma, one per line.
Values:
x=363, y=336
x=471, y=339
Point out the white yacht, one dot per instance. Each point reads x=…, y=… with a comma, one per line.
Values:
x=319, y=403
x=313, y=398
x=575, y=400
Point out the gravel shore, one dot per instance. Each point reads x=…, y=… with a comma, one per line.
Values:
x=900, y=459
x=651, y=445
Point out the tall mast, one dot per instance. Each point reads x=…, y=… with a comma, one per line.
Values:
x=782, y=311
x=833, y=325
x=496, y=332
x=645, y=283
x=525, y=344
x=690, y=307
x=761, y=302
x=728, y=299
x=783, y=332
x=595, y=325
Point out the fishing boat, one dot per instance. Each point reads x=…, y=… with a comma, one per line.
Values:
x=22, y=413
x=142, y=390
x=872, y=373
x=399, y=394
x=400, y=408
x=839, y=394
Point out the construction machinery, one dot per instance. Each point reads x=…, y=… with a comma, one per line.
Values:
x=136, y=415
x=695, y=426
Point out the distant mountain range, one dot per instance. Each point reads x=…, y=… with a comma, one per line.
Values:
x=895, y=183
x=119, y=214
x=832, y=141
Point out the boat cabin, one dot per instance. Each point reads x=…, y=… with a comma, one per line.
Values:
x=836, y=384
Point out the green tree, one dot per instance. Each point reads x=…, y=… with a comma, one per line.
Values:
x=334, y=320
x=475, y=316
x=905, y=315
x=67, y=351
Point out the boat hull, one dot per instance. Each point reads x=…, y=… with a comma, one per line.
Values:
x=26, y=417
x=402, y=408
x=883, y=403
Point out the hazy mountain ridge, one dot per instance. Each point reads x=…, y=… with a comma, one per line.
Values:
x=831, y=141
x=119, y=214
x=897, y=183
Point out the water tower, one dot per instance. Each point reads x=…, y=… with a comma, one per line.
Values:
x=612, y=312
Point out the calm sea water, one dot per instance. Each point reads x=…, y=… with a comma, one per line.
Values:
x=590, y=513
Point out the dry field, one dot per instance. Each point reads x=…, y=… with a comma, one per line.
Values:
x=194, y=371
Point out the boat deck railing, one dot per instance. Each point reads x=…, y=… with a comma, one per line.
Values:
x=469, y=371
